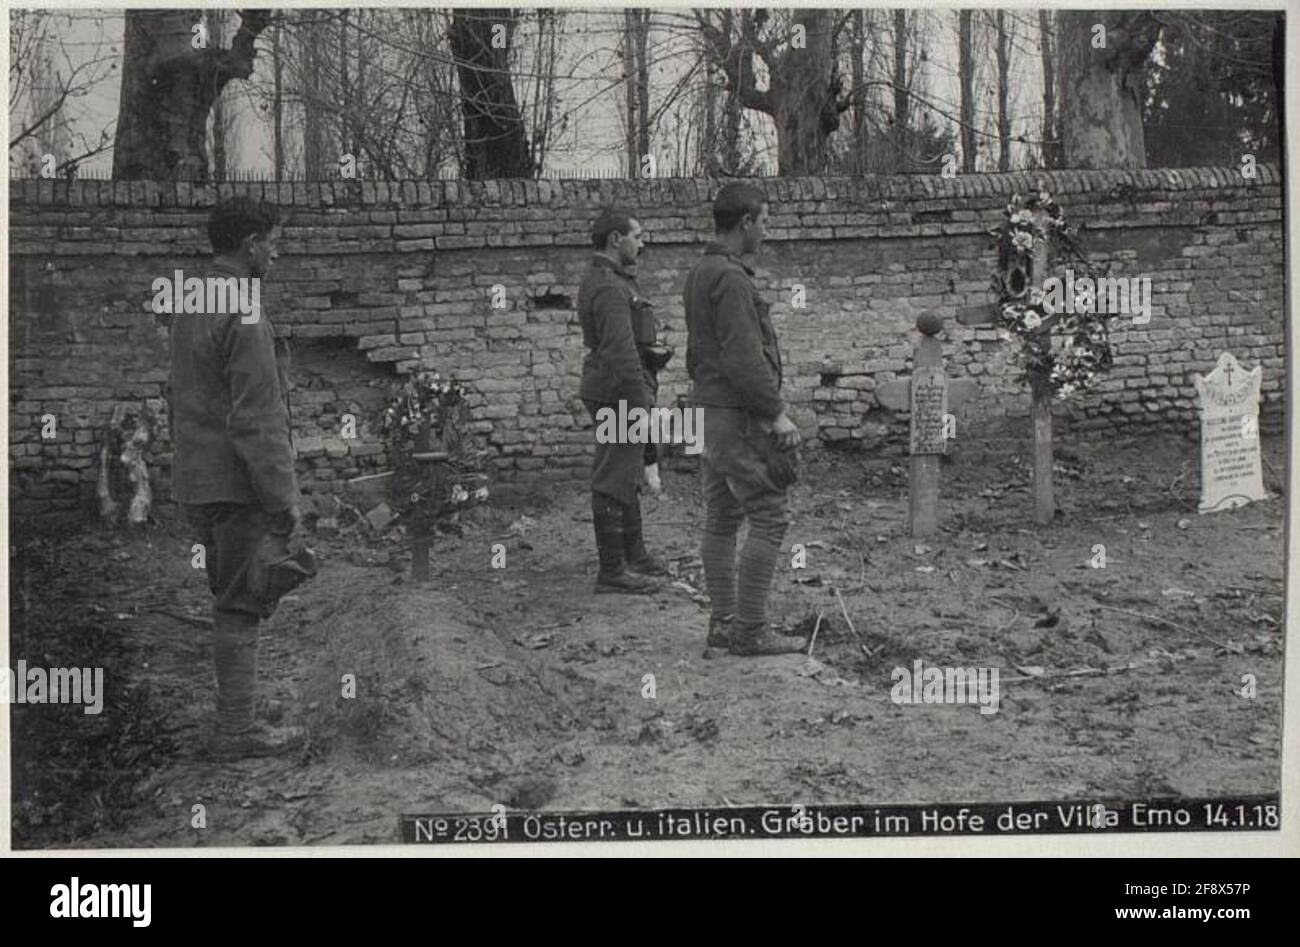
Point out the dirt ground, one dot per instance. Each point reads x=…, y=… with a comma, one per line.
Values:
x=521, y=686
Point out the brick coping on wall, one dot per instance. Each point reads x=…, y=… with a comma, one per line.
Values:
x=677, y=191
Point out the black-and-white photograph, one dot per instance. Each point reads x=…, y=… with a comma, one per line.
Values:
x=452, y=426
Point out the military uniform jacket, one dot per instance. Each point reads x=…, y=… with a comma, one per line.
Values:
x=229, y=411
x=611, y=309
x=732, y=354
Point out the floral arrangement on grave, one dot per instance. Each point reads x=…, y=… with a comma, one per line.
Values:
x=1038, y=318
x=437, y=475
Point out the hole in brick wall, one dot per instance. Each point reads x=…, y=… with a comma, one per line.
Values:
x=828, y=379
x=341, y=299
x=552, y=301
x=331, y=379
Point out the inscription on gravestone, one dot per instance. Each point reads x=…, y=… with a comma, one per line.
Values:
x=1231, y=474
x=929, y=405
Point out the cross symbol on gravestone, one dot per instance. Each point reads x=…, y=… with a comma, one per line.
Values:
x=1227, y=371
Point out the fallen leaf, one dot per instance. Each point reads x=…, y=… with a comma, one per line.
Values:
x=1031, y=670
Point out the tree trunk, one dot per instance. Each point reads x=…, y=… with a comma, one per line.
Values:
x=966, y=71
x=277, y=103
x=313, y=94
x=708, y=152
x=803, y=93
x=1102, y=115
x=900, y=78
x=168, y=88
x=1004, y=89
x=642, y=40
x=730, y=151
x=800, y=85
x=629, y=92
x=347, y=141
x=859, y=91
x=495, y=143
x=220, y=163
x=1051, y=146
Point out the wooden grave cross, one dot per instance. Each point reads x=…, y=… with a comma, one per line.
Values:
x=1040, y=389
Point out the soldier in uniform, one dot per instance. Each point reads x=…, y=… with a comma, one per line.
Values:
x=749, y=459
x=614, y=314
x=232, y=468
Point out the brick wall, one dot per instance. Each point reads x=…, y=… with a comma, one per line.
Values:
x=379, y=278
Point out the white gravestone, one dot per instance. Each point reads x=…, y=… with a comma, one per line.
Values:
x=1230, y=460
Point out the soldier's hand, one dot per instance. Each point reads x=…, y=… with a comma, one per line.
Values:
x=787, y=435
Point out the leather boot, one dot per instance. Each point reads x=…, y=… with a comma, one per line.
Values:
x=607, y=519
x=720, y=631
x=634, y=551
x=756, y=639
x=237, y=733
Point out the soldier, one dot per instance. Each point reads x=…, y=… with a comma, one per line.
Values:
x=748, y=460
x=233, y=468
x=611, y=308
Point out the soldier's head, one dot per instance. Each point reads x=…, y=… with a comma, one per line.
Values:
x=618, y=235
x=245, y=230
x=740, y=217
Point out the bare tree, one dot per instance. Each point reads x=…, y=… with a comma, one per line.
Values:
x=315, y=92
x=495, y=144
x=168, y=87
x=900, y=118
x=857, y=73
x=1103, y=55
x=225, y=130
x=277, y=102
x=1051, y=146
x=733, y=108
x=43, y=78
x=635, y=130
x=1002, y=30
x=804, y=93
x=966, y=71
x=544, y=100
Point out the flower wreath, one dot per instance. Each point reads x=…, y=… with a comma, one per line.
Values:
x=425, y=398
x=1086, y=348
